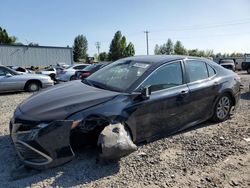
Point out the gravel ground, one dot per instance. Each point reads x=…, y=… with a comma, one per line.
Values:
x=211, y=155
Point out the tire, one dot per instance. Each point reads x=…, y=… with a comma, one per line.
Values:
x=248, y=70
x=33, y=86
x=72, y=78
x=222, y=108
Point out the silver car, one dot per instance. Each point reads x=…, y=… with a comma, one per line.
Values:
x=68, y=74
x=11, y=80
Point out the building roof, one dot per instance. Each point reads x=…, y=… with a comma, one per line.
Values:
x=28, y=46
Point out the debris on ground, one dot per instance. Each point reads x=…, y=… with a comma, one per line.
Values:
x=115, y=142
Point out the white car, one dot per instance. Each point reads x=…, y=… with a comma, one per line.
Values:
x=228, y=64
x=49, y=72
x=69, y=73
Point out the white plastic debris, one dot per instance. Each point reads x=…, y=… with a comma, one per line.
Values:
x=247, y=139
x=115, y=142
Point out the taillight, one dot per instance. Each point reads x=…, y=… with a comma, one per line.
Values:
x=86, y=74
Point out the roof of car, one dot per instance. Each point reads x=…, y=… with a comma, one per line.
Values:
x=160, y=58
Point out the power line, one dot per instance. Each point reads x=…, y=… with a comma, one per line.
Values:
x=202, y=27
x=205, y=36
x=147, y=32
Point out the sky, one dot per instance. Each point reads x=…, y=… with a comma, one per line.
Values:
x=219, y=25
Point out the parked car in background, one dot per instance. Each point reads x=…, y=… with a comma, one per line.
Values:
x=246, y=66
x=62, y=65
x=151, y=96
x=68, y=74
x=20, y=69
x=228, y=64
x=87, y=71
x=50, y=71
x=11, y=80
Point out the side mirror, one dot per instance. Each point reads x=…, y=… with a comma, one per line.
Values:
x=146, y=92
x=8, y=75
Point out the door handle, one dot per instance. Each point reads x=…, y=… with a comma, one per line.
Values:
x=216, y=83
x=184, y=93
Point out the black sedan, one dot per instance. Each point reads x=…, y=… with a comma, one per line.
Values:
x=151, y=96
x=87, y=71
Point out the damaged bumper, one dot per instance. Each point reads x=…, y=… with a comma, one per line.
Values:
x=44, y=145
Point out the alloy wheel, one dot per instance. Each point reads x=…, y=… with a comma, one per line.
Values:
x=223, y=107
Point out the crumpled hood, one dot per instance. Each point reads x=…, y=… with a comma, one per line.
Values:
x=60, y=101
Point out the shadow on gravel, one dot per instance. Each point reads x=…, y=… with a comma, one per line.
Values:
x=10, y=93
x=245, y=96
x=81, y=170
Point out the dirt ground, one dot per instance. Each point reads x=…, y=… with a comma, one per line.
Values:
x=210, y=155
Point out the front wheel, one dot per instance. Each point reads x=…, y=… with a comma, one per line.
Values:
x=222, y=108
x=33, y=86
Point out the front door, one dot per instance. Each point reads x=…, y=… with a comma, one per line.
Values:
x=163, y=113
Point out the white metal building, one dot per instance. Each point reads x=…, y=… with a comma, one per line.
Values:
x=26, y=56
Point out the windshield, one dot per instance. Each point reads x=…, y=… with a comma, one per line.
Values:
x=12, y=72
x=118, y=76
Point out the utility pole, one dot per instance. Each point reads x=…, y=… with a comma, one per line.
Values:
x=98, y=46
x=147, y=32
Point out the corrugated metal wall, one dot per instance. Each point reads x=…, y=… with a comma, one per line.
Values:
x=27, y=56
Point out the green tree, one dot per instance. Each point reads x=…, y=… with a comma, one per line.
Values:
x=115, y=49
x=80, y=48
x=209, y=53
x=123, y=46
x=157, y=50
x=103, y=56
x=118, y=47
x=169, y=47
x=5, y=38
x=166, y=48
x=130, y=50
x=193, y=52
x=179, y=48
x=33, y=44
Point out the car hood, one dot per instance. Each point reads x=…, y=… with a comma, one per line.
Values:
x=60, y=101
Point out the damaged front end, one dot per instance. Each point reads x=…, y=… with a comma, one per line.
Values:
x=44, y=145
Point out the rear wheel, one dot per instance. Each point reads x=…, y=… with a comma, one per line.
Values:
x=222, y=108
x=33, y=86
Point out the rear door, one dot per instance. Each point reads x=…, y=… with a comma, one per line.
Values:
x=203, y=88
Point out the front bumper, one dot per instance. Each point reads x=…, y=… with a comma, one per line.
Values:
x=63, y=77
x=48, y=84
x=43, y=146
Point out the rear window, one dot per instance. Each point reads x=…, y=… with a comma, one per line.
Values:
x=211, y=71
x=197, y=70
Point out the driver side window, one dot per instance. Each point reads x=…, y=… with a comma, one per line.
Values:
x=167, y=76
